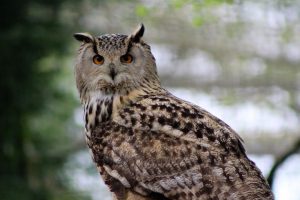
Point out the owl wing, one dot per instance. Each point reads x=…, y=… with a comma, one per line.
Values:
x=167, y=146
x=148, y=161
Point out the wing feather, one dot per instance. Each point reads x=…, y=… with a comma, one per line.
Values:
x=166, y=146
x=150, y=161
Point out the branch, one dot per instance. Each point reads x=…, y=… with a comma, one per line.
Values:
x=281, y=160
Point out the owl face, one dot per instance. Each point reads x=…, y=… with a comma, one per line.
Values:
x=113, y=63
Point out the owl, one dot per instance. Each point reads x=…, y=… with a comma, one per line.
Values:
x=148, y=144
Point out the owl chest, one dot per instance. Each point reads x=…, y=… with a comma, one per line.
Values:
x=96, y=112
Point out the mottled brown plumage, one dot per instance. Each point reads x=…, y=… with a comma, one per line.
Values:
x=147, y=143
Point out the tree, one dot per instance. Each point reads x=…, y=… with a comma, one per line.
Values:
x=31, y=103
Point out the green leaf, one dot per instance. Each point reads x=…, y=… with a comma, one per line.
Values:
x=198, y=21
x=141, y=11
x=178, y=3
x=216, y=2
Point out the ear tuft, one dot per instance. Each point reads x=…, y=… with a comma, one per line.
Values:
x=138, y=33
x=84, y=37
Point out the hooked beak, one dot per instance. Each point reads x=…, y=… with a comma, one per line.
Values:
x=112, y=71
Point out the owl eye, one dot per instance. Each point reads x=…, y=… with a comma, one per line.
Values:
x=127, y=58
x=98, y=60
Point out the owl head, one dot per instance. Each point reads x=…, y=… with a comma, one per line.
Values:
x=114, y=63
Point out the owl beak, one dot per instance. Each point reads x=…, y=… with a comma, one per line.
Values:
x=112, y=71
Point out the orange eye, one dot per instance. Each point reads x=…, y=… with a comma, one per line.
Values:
x=98, y=60
x=127, y=58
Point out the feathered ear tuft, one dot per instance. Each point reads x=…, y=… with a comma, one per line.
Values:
x=84, y=37
x=138, y=33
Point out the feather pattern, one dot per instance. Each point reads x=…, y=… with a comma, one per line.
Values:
x=148, y=144
x=147, y=149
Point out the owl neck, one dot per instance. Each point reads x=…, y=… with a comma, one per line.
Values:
x=97, y=109
x=101, y=107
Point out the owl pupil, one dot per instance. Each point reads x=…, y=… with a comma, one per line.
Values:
x=98, y=60
x=127, y=58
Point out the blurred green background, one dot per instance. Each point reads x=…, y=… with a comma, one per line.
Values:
x=239, y=60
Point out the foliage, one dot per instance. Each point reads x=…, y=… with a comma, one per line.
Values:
x=198, y=9
x=35, y=110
